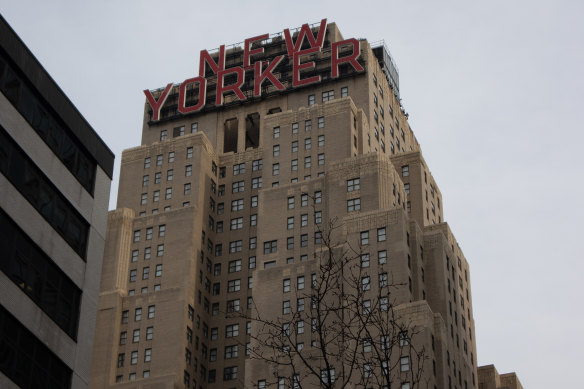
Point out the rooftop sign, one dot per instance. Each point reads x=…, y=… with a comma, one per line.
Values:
x=263, y=71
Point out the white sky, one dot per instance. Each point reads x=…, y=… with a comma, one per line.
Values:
x=494, y=92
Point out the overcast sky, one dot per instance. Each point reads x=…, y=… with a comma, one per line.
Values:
x=494, y=90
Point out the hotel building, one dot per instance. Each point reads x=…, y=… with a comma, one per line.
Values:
x=222, y=212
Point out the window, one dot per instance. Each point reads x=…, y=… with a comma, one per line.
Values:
x=344, y=91
x=234, y=285
x=158, y=271
x=146, y=162
x=317, y=197
x=404, y=364
x=159, y=160
x=321, y=141
x=406, y=385
x=151, y=311
x=310, y=100
x=384, y=304
x=304, y=240
x=286, y=285
x=252, y=243
x=300, y=327
x=138, y=314
x=149, y=233
x=366, y=307
x=194, y=127
x=353, y=205
x=232, y=330
x=149, y=333
x=134, y=256
x=231, y=351
x=300, y=282
x=290, y=223
x=146, y=273
x=121, y=358
x=307, y=144
x=382, y=257
x=251, y=263
x=326, y=376
x=320, y=159
x=286, y=307
x=123, y=336
x=276, y=150
x=256, y=183
x=290, y=202
x=163, y=134
x=381, y=236
x=275, y=169
x=294, y=165
x=365, y=260
x=234, y=266
x=160, y=250
x=290, y=243
x=238, y=169
x=134, y=359
x=148, y=355
x=294, y=128
x=270, y=246
x=307, y=162
x=353, y=184
x=235, y=246
x=256, y=165
x=366, y=283
x=237, y=223
x=133, y=274
x=237, y=187
x=295, y=146
x=405, y=170
x=382, y=280
x=233, y=306
x=328, y=96
x=364, y=238
x=276, y=132
x=308, y=125
x=321, y=122
x=403, y=338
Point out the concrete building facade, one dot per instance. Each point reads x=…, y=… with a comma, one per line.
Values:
x=55, y=175
x=221, y=214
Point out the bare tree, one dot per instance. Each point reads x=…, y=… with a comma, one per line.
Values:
x=356, y=334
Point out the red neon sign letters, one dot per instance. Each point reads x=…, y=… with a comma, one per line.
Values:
x=263, y=71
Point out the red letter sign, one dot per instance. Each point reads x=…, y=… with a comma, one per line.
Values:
x=222, y=88
x=305, y=31
x=247, y=53
x=182, y=97
x=157, y=105
x=206, y=57
x=352, y=59
x=297, y=67
x=260, y=76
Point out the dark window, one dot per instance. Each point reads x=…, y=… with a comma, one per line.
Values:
x=36, y=274
x=49, y=127
x=26, y=360
x=42, y=194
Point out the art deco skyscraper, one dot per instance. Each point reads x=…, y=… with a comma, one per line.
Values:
x=224, y=207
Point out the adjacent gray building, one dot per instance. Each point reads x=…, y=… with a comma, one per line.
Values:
x=55, y=175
